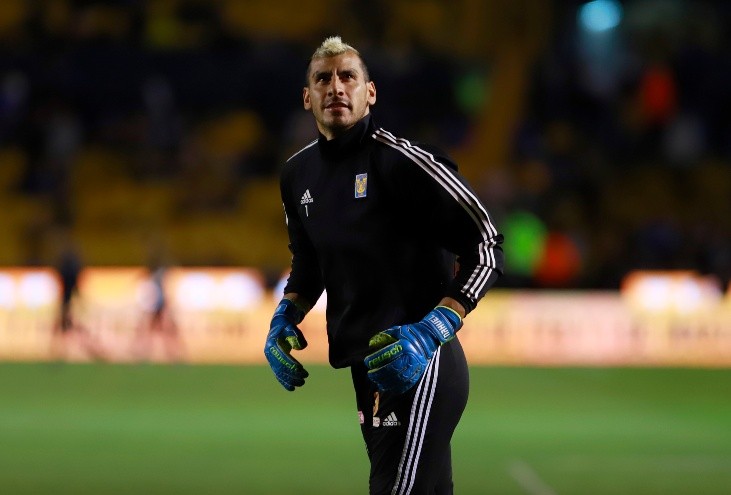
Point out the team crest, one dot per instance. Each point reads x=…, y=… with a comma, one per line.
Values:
x=361, y=185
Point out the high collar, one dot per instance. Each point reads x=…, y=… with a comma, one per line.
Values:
x=346, y=142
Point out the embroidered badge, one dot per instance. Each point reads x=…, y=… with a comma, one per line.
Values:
x=361, y=185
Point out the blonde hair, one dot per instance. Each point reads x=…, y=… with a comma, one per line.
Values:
x=332, y=47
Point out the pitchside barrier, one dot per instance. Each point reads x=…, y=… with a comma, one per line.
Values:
x=221, y=315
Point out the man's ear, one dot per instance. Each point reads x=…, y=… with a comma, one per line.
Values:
x=371, y=93
x=306, y=99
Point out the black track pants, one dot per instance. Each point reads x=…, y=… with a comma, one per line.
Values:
x=408, y=436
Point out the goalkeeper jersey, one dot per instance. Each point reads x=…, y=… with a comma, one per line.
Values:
x=387, y=227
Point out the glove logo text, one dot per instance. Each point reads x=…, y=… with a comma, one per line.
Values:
x=441, y=327
x=275, y=352
x=385, y=356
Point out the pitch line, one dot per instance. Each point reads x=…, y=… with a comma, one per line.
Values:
x=528, y=479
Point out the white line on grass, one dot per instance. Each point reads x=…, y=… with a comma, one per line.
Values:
x=634, y=463
x=528, y=479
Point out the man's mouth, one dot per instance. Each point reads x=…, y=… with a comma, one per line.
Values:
x=337, y=105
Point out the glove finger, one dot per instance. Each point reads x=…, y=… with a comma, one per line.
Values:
x=394, y=384
x=399, y=375
x=391, y=382
x=284, y=382
x=280, y=360
x=292, y=374
x=298, y=369
x=279, y=356
x=289, y=381
x=295, y=338
x=299, y=372
x=382, y=339
x=290, y=378
x=382, y=378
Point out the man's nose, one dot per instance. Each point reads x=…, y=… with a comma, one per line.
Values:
x=336, y=86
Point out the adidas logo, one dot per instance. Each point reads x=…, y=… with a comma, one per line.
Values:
x=306, y=198
x=391, y=420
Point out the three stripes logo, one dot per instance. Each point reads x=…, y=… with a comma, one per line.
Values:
x=306, y=198
x=391, y=420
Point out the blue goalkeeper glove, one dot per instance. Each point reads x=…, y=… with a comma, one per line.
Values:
x=402, y=353
x=282, y=338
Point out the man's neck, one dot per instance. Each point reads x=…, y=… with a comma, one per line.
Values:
x=334, y=133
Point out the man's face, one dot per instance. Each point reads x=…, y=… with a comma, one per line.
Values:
x=337, y=93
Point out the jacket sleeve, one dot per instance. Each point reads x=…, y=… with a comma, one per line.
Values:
x=305, y=277
x=450, y=211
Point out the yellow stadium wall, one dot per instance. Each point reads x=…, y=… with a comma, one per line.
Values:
x=223, y=314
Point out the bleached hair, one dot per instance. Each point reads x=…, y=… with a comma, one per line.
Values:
x=333, y=46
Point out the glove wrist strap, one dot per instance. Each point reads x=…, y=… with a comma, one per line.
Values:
x=443, y=323
x=459, y=318
x=289, y=310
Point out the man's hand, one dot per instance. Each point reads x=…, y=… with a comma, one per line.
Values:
x=282, y=338
x=401, y=353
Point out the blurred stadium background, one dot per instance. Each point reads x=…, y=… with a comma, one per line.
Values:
x=596, y=132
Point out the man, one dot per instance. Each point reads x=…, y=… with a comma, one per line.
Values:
x=377, y=220
x=68, y=333
x=158, y=322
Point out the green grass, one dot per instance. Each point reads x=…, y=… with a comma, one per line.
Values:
x=108, y=429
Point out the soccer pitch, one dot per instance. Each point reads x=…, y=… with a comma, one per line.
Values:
x=121, y=429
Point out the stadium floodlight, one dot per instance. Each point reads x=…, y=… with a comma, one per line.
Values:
x=7, y=291
x=671, y=292
x=196, y=291
x=600, y=15
x=37, y=289
x=240, y=291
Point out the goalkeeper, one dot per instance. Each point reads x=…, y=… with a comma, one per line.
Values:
x=405, y=250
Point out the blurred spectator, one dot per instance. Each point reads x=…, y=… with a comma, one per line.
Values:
x=197, y=97
x=52, y=138
x=14, y=89
x=162, y=129
x=70, y=339
x=157, y=326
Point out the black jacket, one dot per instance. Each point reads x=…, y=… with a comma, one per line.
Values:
x=376, y=221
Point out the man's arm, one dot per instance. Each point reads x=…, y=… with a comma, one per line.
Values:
x=442, y=204
x=305, y=282
x=454, y=305
x=448, y=209
x=301, y=302
x=284, y=336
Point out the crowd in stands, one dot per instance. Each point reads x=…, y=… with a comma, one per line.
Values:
x=624, y=147
x=621, y=161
